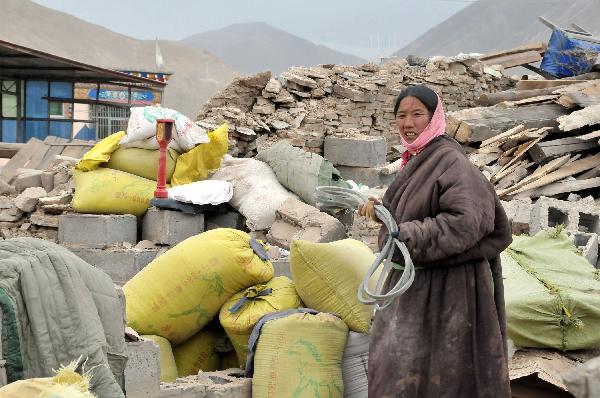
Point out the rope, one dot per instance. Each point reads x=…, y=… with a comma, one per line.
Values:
x=332, y=199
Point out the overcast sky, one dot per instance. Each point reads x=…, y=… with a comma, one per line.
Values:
x=366, y=28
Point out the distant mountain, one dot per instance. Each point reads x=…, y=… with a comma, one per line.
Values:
x=491, y=25
x=255, y=47
x=197, y=73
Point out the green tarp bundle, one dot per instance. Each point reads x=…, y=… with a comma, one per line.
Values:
x=552, y=293
x=300, y=171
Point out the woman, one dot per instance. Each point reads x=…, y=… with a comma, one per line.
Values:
x=446, y=336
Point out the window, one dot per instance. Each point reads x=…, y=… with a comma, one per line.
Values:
x=9, y=98
x=109, y=120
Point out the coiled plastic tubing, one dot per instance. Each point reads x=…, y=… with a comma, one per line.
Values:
x=330, y=198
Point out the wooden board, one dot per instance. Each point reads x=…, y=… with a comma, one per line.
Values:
x=28, y=157
x=54, y=149
x=77, y=151
x=522, y=149
x=538, y=84
x=567, y=171
x=549, y=149
x=561, y=187
x=512, y=95
x=585, y=117
x=483, y=123
x=537, y=47
x=537, y=174
x=503, y=136
x=515, y=59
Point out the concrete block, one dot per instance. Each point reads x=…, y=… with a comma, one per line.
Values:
x=142, y=373
x=582, y=216
x=29, y=179
x=120, y=264
x=584, y=380
x=8, y=211
x=369, y=176
x=170, y=227
x=588, y=244
x=47, y=180
x=518, y=212
x=366, y=151
x=97, y=230
x=229, y=383
x=28, y=199
x=6, y=189
x=231, y=219
x=297, y=220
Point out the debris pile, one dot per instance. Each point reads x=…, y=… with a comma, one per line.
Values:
x=305, y=105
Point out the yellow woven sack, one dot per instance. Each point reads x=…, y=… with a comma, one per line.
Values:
x=300, y=356
x=239, y=315
x=107, y=191
x=229, y=360
x=197, y=353
x=327, y=276
x=178, y=293
x=66, y=384
x=195, y=165
x=142, y=162
x=168, y=368
x=100, y=153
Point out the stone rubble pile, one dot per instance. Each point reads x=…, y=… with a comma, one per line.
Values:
x=305, y=105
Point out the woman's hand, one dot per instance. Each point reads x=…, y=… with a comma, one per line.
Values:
x=368, y=209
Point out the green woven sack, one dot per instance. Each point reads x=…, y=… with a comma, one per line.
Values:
x=552, y=293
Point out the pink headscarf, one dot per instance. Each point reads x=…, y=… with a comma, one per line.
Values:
x=435, y=128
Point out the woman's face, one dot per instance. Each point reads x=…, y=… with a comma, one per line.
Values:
x=412, y=118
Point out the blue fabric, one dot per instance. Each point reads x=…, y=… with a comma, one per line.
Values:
x=61, y=129
x=61, y=90
x=86, y=133
x=567, y=56
x=35, y=129
x=35, y=105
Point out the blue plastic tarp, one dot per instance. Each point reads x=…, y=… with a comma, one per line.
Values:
x=567, y=56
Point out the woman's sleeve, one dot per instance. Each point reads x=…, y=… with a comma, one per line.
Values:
x=466, y=215
x=487, y=248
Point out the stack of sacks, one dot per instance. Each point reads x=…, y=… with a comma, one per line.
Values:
x=180, y=292
x=112, y=179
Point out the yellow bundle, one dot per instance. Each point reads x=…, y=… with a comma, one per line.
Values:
x=178, y=293
x=100, y=153
x=300, y=356
x=66, y=384
x=197, y=353
x=168, y=368
x=327, y=276
x=239, y=315
x=107, y=191
x=142, y=162
x=196, y=164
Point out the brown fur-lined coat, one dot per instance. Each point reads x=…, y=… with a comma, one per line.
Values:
x=446, y=336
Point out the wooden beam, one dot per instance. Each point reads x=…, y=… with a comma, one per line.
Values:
x=561, y=187
x=537, y=174
x=537, y=47
x=515, y=59
x=512, y=95
x=538, y=84
x=586, y=117
x=574, y=168
x=542, y=151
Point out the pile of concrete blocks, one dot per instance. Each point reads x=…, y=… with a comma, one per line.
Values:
x=580, y=219
x=108, y=242
x=295, y=220
x=31, y=205
x=306, y=105
x=359, y=158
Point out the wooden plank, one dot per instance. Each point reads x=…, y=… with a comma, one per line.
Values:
x=483, y=123
x=483, y=159
x=522, y=149
x=27, y=157
x=534, y=100
x=504, y=136
x=529, y=134
x=8, y=149
x=586, y=117
x=539, y=84
x=515, y=59
x=567, y=171
x=537, y=174
x=561, y=187
x=512, y=178
x=546, y=150
x=593, y=173
x=512, y=95
x=537, y=47
x=76, y=151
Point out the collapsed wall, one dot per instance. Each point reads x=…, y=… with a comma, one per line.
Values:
x=304, y=105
